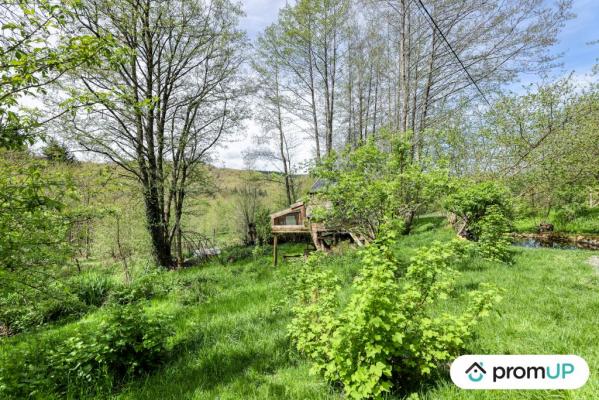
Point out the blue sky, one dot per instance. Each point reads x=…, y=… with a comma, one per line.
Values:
x=584, y=28
x=578, y=56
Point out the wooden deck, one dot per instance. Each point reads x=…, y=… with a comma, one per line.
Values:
x=296, y=219
x=290, y=229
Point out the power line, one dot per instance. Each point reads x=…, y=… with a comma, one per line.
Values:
x=453, y=51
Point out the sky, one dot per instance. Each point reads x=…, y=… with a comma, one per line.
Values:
x=259, y=15
x=578, y=58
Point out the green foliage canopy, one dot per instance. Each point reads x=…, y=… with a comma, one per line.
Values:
x=374, y=184
x=33, y=55
x=34, y=220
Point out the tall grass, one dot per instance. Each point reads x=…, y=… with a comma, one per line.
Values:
x=230, y=325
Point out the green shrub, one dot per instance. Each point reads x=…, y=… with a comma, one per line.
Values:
x=484, y=212
x=388, y=332
x=263, y=229
x=569, y=212
x=24, y=370
x=195, y=290
x=127, y=342
x=238, y=253
x=494, y=242
x=471, y=201
x=23, y=311
x=145, y=287
x=315, y=306
x=34, y=218
x=92, y=289
x=91, y=359
x=428, y=226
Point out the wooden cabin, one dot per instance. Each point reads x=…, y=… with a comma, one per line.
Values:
x=297, y=220
x=290, y=220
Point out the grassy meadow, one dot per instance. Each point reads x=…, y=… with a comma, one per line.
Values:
x=228, y=324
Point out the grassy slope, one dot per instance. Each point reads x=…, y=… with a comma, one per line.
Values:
x=240, y=349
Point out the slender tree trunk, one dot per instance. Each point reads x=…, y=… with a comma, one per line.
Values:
x=405, y=65
x=313, y=100
x=376, y=103
x=368, y=102
x=429, y=81
x=286, y=172
x=350, y=124
x=331, y=111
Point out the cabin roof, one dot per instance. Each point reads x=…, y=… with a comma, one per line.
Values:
x=291, y=209
x=319, y=185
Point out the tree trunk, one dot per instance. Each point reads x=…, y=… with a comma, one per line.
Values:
x=313, y=99
x=405, y=66
x=158, y=231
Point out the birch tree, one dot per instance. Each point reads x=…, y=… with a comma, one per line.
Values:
x=312, y=46
x=274, y=109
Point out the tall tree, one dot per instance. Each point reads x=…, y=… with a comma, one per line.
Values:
x=310, y=53
x=420, y=76
x=158, y=109
x=545, y=142
x=275, y=108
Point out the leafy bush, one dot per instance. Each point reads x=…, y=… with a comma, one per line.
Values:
x=388, y=332
x=471, y=201
x=57, y=152
x=92, y=289
x=369, y=186
x=569, y=212
x=263, y=228
x=237, y=253
x=34, y=219
x=145, y=287
x=22, y=311
x=126, y=343
x=428, y=226
x=494, y=242
x=484, y=211
x=195, y=290
x=315, y=307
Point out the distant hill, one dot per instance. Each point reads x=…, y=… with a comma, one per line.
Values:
x=219, y=212
x=212, y=205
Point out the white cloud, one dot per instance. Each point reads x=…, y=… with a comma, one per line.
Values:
x=260, y=14
x=230, y=154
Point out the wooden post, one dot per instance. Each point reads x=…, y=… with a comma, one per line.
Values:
x=275, y=251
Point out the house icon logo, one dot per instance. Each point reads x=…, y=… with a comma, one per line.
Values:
x=476, y=372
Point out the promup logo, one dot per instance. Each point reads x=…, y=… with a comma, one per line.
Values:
x=519, y=372
x=476, y=372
